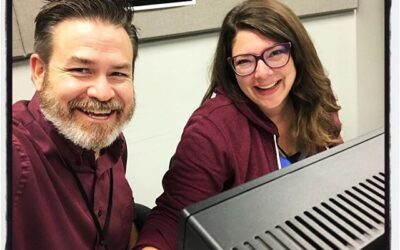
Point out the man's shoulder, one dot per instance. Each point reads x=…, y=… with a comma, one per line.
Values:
x=20, y=113
x=24, y=125
x=20, y=106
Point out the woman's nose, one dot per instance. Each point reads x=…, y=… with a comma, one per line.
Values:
x=262, y=69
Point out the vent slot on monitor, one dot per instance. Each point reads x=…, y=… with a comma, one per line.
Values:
x=350, y=220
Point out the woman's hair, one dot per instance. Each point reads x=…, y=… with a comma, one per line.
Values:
x=115, y=12
x=312, y=96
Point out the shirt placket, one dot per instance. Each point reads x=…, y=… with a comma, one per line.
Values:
x=101, y=194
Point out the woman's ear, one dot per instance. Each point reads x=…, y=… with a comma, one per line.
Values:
x=38, y=70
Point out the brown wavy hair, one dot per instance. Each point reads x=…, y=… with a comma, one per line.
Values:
x=312, y=96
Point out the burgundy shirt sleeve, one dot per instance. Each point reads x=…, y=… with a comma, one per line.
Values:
x=195, y=173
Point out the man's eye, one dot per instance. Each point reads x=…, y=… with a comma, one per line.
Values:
x=119, y=74
x=80, y=70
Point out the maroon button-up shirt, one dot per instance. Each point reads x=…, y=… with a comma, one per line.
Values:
x=48, y=210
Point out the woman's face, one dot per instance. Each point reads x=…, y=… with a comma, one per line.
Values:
x=267, y=87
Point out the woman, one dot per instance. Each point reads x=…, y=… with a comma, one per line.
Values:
x=269, y=104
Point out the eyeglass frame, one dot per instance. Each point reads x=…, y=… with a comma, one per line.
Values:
x=261, y=56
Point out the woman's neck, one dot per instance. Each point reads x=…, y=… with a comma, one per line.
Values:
x=285, y=120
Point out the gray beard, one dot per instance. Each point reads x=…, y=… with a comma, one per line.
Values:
x=87, y=140
x=81, y=134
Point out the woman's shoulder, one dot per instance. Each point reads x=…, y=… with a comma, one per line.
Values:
x=219, y=109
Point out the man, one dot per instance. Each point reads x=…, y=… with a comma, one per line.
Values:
x=69, y=189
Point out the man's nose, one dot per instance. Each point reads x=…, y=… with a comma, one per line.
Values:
x=101, y=89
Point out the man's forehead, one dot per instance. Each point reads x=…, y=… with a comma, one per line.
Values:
x=85, y=41
x=93, y=62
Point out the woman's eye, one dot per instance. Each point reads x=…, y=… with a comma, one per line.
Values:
x=242, y=61
x=277, y=52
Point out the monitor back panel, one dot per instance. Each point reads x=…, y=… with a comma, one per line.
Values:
x=334, y=200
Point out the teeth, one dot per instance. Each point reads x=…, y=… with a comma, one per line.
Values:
x=98, y=112
x=268, y=86
x=97, y=116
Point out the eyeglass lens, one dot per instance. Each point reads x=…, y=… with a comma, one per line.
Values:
x=275, y=57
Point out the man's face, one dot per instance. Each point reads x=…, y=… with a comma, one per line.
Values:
x=86, y=89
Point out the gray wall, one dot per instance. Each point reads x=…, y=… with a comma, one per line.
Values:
x=205, y=15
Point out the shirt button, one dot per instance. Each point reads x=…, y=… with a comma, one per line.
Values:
x=99, y=213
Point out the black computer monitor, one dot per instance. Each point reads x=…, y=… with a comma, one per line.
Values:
x=333, y=200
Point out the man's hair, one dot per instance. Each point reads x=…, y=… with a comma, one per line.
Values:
x=311, y=94
x=115, y=12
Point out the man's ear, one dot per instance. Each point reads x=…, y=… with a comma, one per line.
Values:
x=38, y=70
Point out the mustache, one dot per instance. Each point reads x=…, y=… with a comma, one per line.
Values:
x=90, y=104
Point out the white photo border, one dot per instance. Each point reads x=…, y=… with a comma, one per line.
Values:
x=165, y=5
